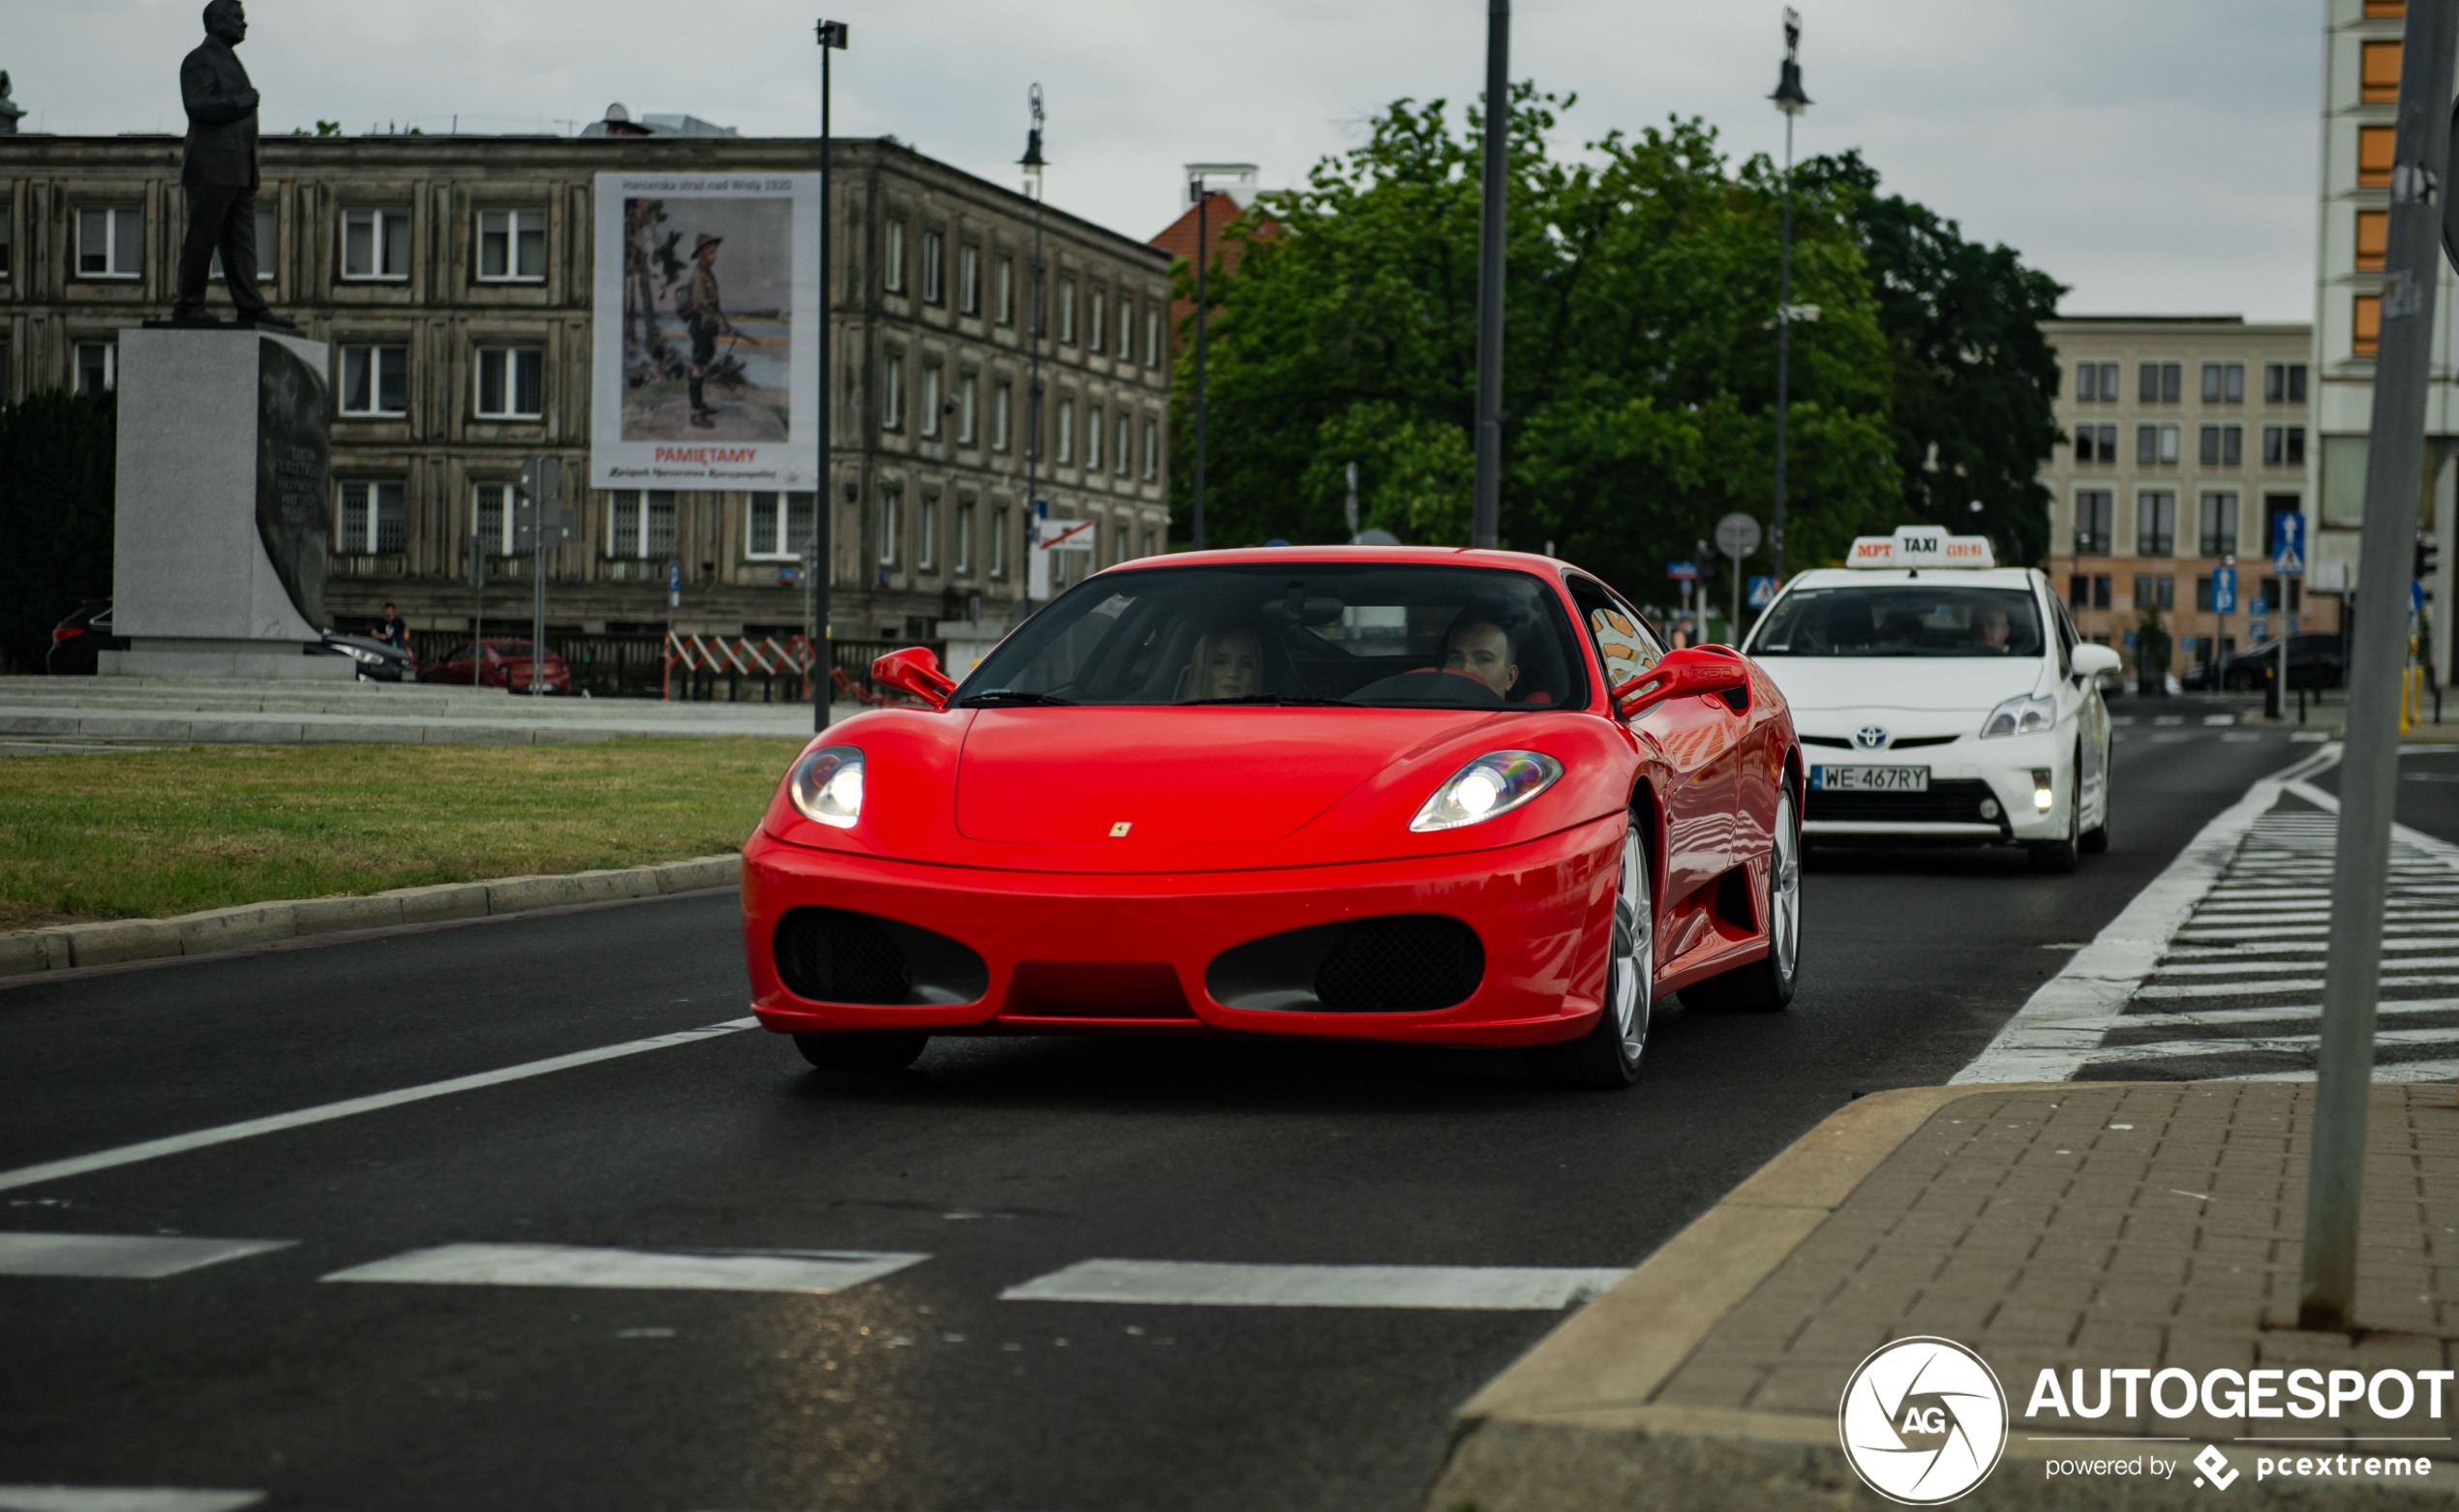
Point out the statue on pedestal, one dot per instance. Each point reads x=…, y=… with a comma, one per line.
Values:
x=219, y=173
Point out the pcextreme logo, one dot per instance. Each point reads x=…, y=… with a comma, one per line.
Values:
x=1923, y=1421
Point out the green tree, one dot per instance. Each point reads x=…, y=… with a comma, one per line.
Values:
x=56, y=467
x=1974, y=376
x=1640, y=350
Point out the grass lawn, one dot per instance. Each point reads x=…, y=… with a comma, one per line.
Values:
x=148, y=834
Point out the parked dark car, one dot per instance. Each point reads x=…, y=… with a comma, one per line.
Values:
x=2314, y=664
x=77, y=642
x=379, y=661
x=503, y=664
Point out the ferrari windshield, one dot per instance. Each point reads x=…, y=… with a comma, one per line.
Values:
x=1916, y=618
x=1368, y=634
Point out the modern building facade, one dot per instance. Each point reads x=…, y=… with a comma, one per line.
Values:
x=2185, y=437
x=452, y=278
x=2362, y=47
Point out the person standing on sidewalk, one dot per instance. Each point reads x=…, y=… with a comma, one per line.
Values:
x=393, y=630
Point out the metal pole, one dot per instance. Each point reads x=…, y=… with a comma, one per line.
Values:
x=1033, y=359
x=1783, y=352
x=2369, y=765
x=1485, y=526
x=1736, y=631
x=477, y=609
x=537, y=607
x=822, y=566
x=1202, y=261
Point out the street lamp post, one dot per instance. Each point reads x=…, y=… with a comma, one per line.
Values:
x=1195, y=189
x=1790, y=100
x=817, y=558
x=1485, y=522
x=1032, y=163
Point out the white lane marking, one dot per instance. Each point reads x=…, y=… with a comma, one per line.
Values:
x=2284, y=1014
x=815, y=1271
x=2171, y=968
x=2217, y=720
x=206, y=1138
x=1205, y=1283
x=2056, y=1029
x=121, y=1257
x=2397, y=1070
x=2270, y=988
x=122, y=1498
x=2170, y=1049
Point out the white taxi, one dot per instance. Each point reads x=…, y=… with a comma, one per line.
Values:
x=1941, y=699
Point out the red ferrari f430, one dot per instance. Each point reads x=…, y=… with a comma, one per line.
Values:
x=1442, y=797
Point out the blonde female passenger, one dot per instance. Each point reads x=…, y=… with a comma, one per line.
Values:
x=1228, y=662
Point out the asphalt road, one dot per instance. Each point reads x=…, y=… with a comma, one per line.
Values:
x=1001, y=1161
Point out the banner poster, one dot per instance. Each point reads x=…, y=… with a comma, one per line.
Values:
x=704, y=333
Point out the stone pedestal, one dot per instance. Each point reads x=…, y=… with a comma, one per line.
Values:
x=223, y=502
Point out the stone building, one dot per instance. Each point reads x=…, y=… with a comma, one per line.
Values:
x=2185, y=437
x=451, y=276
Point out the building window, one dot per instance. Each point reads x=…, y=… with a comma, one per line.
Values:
x=779, y=525
x=930, y=399
x=4, y=241
x=375, y=381
x=490, y=518
x=639, y=525
x=2284, y=382
x=371, y=520
x=1003, y=291
x=1123, y=451
x=1100, y=322
x=999, y=402
x=97, y=366
x=999, y=542
x=2217, y=535
x=934, y=244
x=926, y=534
x=2094, y=510
x=110, y=241
x=2375, y=146
x=1067, y=312
x=2156, y=592
x=1152, y=450
x=2096, y=383
x=2284, y=446
x=969, y=279
x=2096, y=443
x=891, y=522
x=2079, y=591
x=1067, y=429
x=376, y=244
x=892, y=392
x=2156, y=524
x=511, y=382
x=2160, y=382
x=2155, y=444
x=1126, y=329
x=1093, y=438
x=892, y=260
x=2222, y=446
x=1152, y=334
x=2373, y=239
x=960, y=550
x=966, y=390
x=268, y=234
x=2099, y=594
x=2224, y=384
x=2378, y=74
x=2366, y=326
x=511, y=245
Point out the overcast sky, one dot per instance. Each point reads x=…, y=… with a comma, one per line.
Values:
x=2160, y=158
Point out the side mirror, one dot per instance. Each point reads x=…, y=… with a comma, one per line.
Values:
x=1694, y=669
x=916, y=670
x=2091, y=660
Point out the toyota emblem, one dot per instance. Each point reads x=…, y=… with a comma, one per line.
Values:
x=1870, y=738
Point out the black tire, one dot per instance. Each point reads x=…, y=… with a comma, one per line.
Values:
x=1607, y=1058
x=1767, y=984
x=860, y=1053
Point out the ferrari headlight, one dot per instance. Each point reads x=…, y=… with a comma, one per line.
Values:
x=2022, y=714
x=1487, y=788
x=827, y=785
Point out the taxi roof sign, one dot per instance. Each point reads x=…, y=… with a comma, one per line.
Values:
x=1921, y=546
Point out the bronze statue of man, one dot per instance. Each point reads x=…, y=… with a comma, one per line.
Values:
x=219, y=171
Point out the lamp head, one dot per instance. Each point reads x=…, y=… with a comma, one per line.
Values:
x=1788, y=95
x=1033, y=159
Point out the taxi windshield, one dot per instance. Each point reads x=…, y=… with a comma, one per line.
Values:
x=1916, y=618
x=1370, y=634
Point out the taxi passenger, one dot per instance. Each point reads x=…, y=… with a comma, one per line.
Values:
x=1989, y=628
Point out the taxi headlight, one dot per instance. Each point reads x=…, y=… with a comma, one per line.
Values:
x=1487, y=788
x=827, y=786
x=2022, y=714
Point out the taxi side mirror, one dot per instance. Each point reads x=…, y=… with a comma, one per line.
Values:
x=1694, y=669
x=915, y=671
x=2091, y=661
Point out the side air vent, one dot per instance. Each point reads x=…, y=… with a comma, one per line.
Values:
x=835, y=956
x=1406, y=964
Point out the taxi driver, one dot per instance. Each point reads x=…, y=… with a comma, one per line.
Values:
x=1482, y=649
x=1989, y=628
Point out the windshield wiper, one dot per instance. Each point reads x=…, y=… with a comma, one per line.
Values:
x=1009, y=697
x=1290, y=700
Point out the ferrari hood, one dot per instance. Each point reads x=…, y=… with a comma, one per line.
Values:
x=1942, y=684
x=1183, y=776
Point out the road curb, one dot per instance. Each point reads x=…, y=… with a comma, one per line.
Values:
x=112, y=942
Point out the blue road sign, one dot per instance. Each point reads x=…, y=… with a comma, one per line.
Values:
x=2254, y=629
x=1682, y=571
x=2287, y=545
x=674, y=577
x=1762, y=593
x=2415, y=596
x=2224, y=590
x=2258, y=606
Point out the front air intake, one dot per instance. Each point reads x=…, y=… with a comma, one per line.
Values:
x=835, y=956
x=1403, y=963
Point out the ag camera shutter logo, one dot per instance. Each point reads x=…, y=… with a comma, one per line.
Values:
x=1923, y=1421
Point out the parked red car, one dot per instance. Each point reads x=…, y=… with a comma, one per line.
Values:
x=503, y=664
x=1433, y=796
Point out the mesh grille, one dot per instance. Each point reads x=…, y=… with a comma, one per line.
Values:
x=1399, y=965
x=833, y=956
x=1954, y=802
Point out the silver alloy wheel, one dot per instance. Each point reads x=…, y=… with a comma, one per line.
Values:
x=1632, y=976
x=1784, y=890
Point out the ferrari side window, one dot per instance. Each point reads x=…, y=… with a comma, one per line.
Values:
x=1623, y=644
